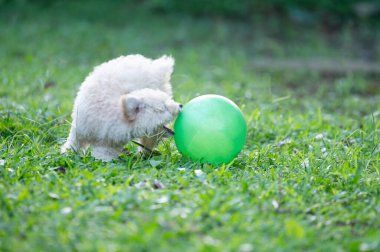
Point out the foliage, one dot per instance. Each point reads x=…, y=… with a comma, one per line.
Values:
x=304, y=11
x=326, y=12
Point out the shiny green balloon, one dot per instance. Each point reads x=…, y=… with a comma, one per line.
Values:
x=210, y=129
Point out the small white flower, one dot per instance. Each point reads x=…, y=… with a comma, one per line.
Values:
x=275, y=204
x=2, y=162
x=305, y=163
x=283, y=142
x=162, y=199
x=53, y=195
x=47, y=97
x=198, y=173
x=181, y=212
x=100, y=209
x=319, y=136
x=210, y=241
x=246, y=247
x=66, y=210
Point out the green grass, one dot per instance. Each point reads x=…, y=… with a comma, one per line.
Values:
x=308, y=178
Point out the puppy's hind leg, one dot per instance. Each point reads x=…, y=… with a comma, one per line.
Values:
x=71, y=142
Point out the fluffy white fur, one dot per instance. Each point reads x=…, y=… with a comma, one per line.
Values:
x=125, y=98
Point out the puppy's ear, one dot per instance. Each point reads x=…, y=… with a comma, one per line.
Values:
x=131, y=106
x=163, y=68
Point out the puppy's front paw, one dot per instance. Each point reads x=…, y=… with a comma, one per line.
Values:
x=105, y=153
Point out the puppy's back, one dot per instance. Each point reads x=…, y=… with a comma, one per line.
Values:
x=133, y=72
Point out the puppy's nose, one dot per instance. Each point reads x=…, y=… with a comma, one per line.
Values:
x=173, y=107
x=180, y=106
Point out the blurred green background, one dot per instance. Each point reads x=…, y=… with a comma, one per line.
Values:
x=304, y=11
x=315, y=38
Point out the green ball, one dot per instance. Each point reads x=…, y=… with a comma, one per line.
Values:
x=210, y=129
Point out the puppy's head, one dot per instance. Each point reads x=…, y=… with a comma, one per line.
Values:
x=148, y=109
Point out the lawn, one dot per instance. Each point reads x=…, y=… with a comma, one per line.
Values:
x=308, y=178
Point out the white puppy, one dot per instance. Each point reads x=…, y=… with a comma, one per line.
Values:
x=125, y=98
